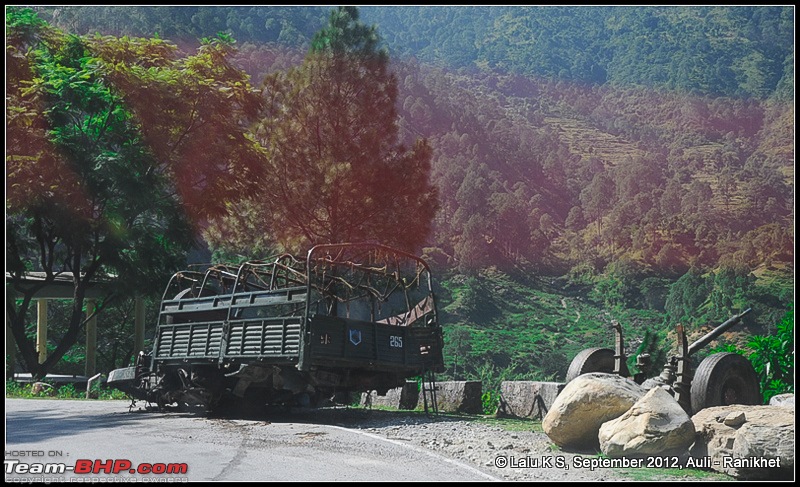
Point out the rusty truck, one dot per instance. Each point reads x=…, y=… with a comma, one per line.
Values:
x=291, y=331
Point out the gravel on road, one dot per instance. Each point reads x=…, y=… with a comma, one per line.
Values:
x=511, y=454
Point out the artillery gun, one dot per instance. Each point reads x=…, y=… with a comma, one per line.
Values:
x=720, y=379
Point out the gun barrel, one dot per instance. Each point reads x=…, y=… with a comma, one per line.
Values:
x=702, y=342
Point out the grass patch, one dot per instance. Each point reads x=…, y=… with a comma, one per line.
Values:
x=649, y=474
x=645, y=473
x=26, y=391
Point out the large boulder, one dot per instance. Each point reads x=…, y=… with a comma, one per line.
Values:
x=784, y=400
x=457, y=397
x=747, y=442
x=585, y=404
x=655, y=426
x=528, y=399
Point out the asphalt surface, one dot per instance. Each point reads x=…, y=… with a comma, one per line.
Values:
x=81, y=433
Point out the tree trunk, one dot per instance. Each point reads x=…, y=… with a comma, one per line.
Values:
x=27, y=347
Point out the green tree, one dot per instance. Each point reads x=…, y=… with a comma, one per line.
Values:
x=83, y=196
x=335, y=170
x=192, y=112
x=731, y=289
x=617, y=286
x=651, y=345
x=686, y=296
x=472, y=250
x=598, y=197
x=115, y=147
x=772, y=357
x=458, y=347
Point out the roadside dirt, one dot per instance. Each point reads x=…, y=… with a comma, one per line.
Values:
x=515, y=455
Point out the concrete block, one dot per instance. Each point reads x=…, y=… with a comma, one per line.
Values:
x=457, y=397
x=528, y=399
x=405, y=397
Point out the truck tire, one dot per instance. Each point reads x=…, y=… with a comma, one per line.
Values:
x=723, y=379
x=591, y=360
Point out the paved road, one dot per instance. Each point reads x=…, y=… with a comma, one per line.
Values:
x=51, y=431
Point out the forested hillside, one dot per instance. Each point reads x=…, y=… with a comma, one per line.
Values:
x=591, y=163
x=713, y=50
x=729, y=51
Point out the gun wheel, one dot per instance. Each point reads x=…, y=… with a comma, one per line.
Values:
x=723, y=379
x=591, y=360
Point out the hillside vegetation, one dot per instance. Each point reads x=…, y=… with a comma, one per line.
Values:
x=713, y=50
x=592, y=163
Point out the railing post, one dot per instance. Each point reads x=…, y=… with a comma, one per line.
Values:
x=89, y=384
x=91, y=338
x=41, y=329
x=11, y=352
x=138, y=325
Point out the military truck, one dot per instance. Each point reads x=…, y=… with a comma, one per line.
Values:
x=291, y=331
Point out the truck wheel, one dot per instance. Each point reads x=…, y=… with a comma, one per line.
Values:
x=723, y=379
x=591, y=360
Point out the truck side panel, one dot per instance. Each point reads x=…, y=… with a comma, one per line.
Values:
x=348, y=342
x=263, y=324
x=196, y=340
x=276, y=337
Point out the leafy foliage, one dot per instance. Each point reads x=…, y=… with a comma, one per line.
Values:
x=196, y=132
x=686, y=296
x=334, y=171
x=490, y=401
x=578, y=135
x=723, y=50
x=18, y=389
x=772, y=357
x=285, y=25
x=652, y=346
x=720, y=50
x=649, y=151
x=67, y=391
x=83, y=197
x=98, y=188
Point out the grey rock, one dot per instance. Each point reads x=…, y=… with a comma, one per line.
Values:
x=734, y=419
x=404, y=397
x=655, y=425
x=784, y=400
x=767, y=435
x=585, y=404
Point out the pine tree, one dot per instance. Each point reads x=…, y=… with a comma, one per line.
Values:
x=336, y=171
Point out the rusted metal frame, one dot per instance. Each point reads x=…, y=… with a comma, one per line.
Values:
x=334, y=257
x=620, y=361
x=277, y=265
x=719, y=330
x=683, y=374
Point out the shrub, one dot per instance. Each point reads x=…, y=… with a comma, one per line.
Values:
x=68, y=392
x=772, y=357
x=490, y=401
